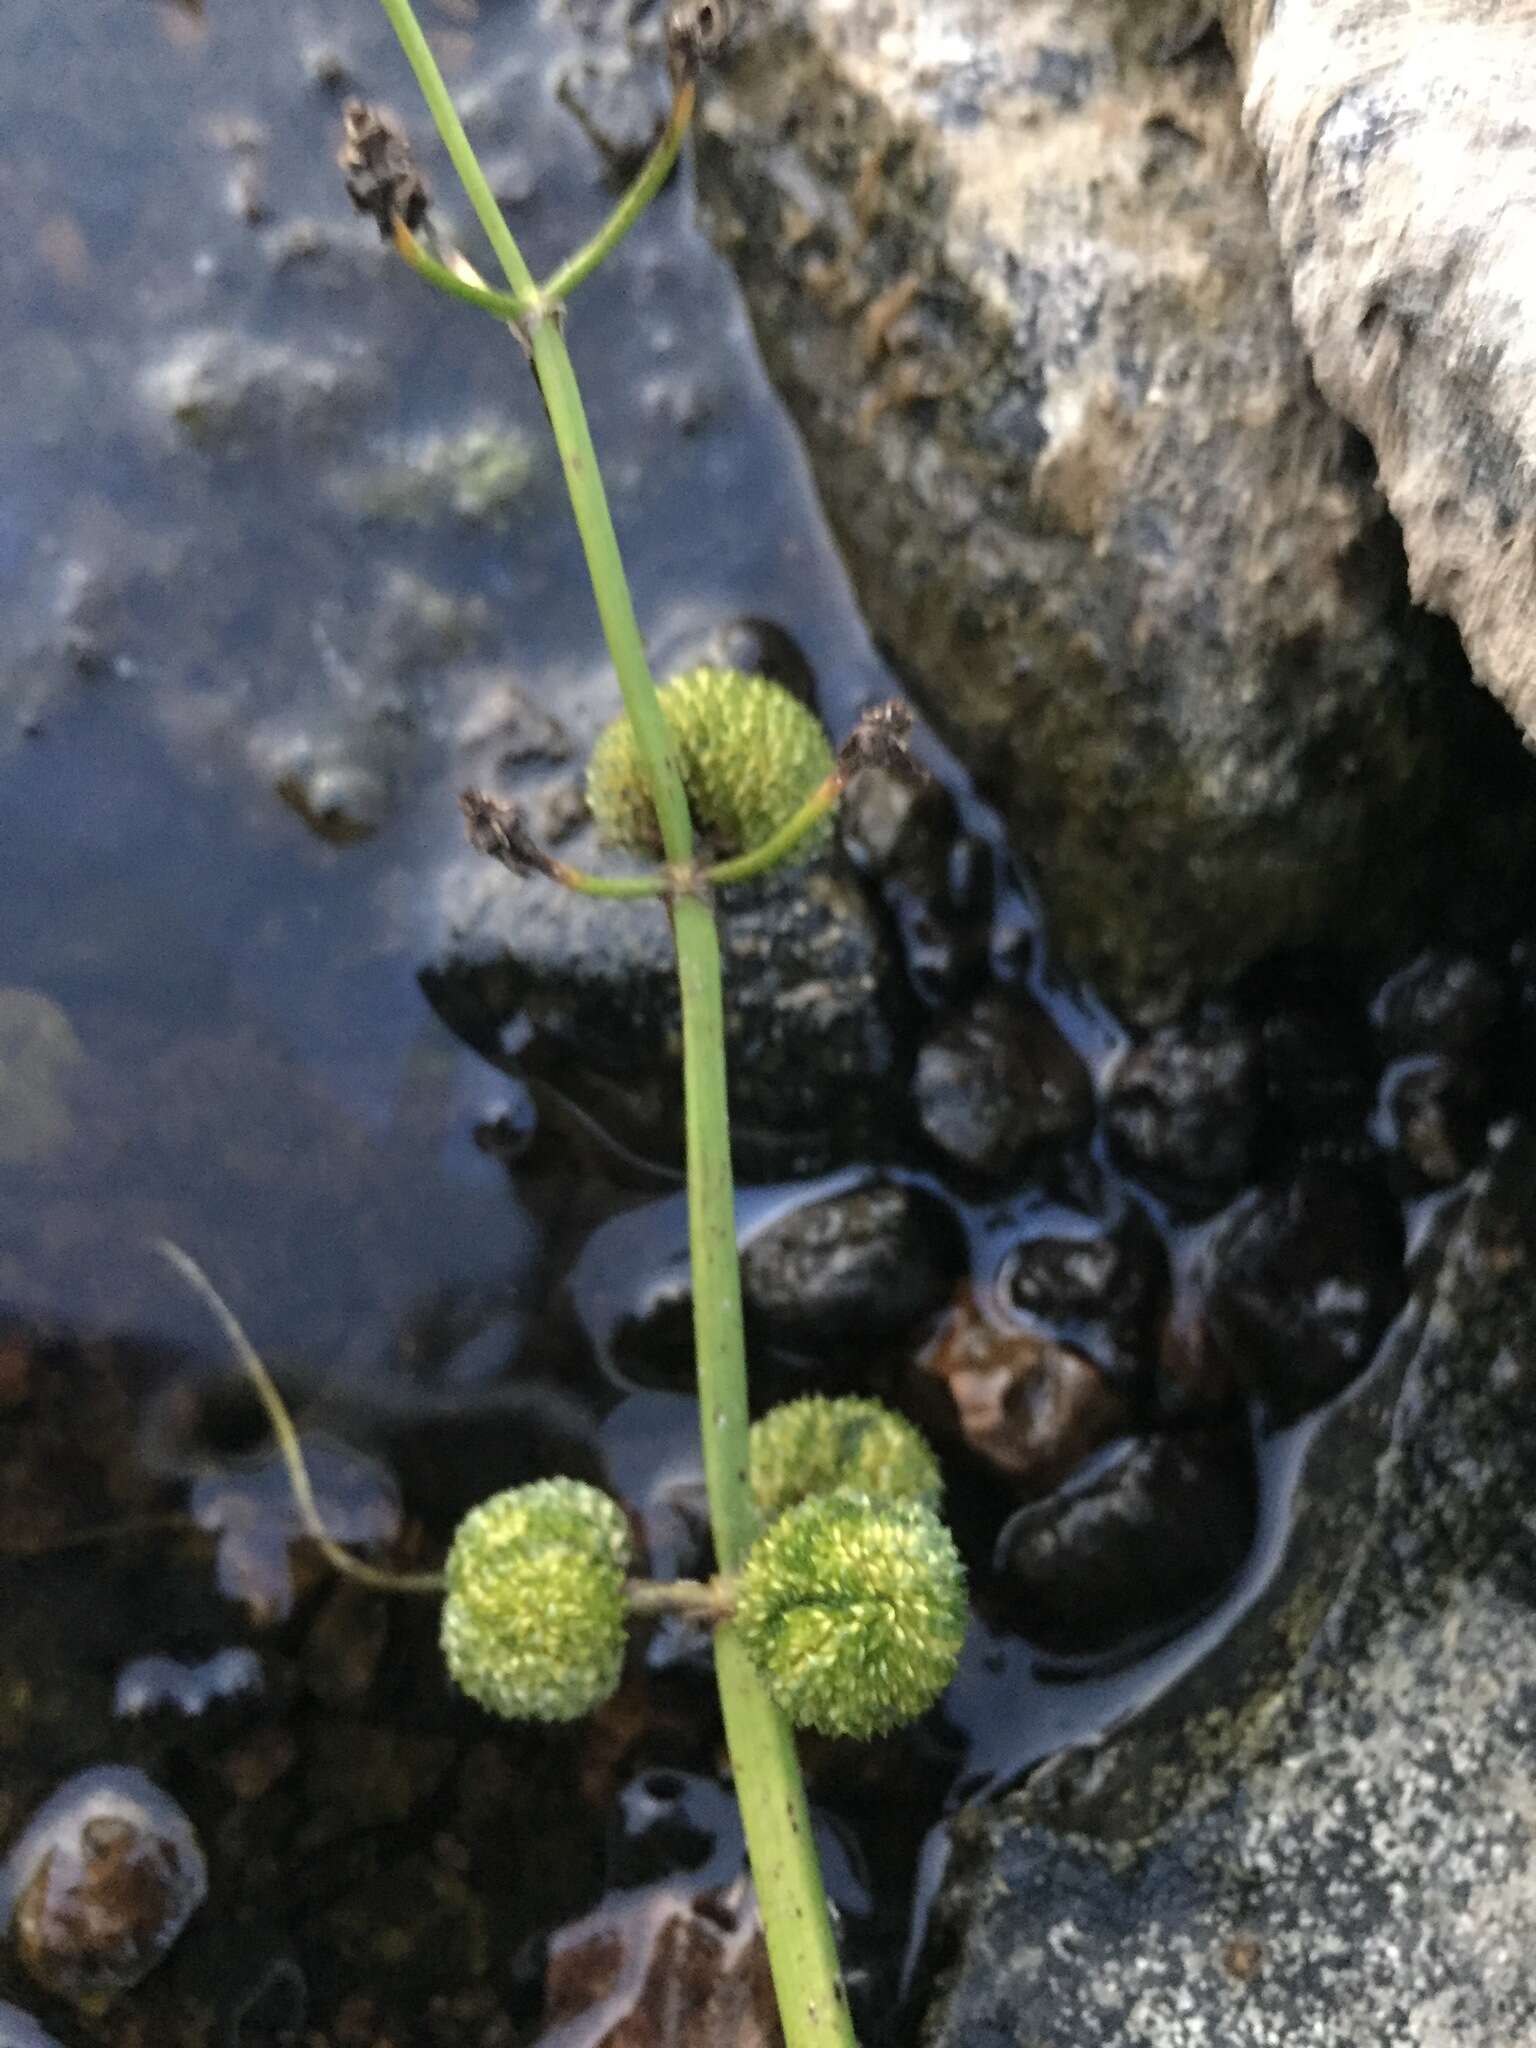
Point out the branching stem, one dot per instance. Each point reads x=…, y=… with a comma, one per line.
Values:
x=801, y=1949
x=653, y=174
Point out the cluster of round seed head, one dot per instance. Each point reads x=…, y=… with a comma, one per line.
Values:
x=749, y=755
x=818, y=1445
x=534, y=1619
x=854, y=1611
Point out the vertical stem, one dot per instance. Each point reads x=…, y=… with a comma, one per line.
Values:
x=802, y=1954
x=610, y=586
x=801, y=1950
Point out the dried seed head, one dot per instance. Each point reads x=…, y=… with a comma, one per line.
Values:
x=533, y=1623
x=501, y=830
x=697, y=33
x=879, y=740
x=378, y=168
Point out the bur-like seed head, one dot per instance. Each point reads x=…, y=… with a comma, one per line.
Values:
x=749, y=754
x=854, y=1612
x=533, y=1622
x=819, y=1445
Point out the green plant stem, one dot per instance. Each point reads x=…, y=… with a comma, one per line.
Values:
x=445, y=116
x=758, y=859
x=775, y=1818
x=504, y=305
x=704, y=1599
x=648, y=182
x=610, y=586
x=289, y=1448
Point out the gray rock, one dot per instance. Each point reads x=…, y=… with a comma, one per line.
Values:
x=1401, y=166
x=1012, y=272
x=1325, y=1837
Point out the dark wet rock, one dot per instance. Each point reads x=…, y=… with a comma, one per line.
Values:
x=1144, y=1537
x=226, y=391
x=869, y=1264
x=1316, y=1072
x=344, y=1645
x=1195, y=1377
x=894, y=821
x=1032, y=1408
x=1232, y=1870
x=1183, y=1108
x=903, y=828
x=1440, y=1002
x=1432, y=1115
x=942, y=913
x=1099, y=1286
x=1014, y=277
x=1301, y=1280
x=757, y=647
x=102, y=1881
x=997, y=1083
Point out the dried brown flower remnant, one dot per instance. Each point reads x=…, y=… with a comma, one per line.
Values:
x=379, y=171
x=879, y=740
x=697, y=33
x=501, y=830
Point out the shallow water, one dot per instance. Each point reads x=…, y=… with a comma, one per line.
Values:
x=239, y=1056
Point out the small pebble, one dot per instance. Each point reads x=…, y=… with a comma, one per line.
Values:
x=151, y=1683
x=1432, y=1116
x=1147, y=1537
x=1032, y=1408
x=1301, y=1280
x=1440, y=1002
x=868, y=1264
x=1183, y=1108
x=996, y=1083
x=1099, y=1286
x=102, y=1881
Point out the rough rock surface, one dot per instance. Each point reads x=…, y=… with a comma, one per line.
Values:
x=1012, y=271
x=1401, y=165
x=1331, y=1836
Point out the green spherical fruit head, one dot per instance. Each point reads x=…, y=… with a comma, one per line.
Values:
x=854, y=1611
x=533, y=1622
x=819, y=1445
x=749, y=755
